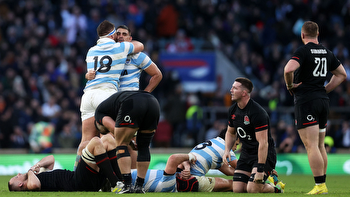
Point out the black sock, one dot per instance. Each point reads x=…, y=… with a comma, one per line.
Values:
x=114, y=162
x=277, y=190
x=319, y=179
x=325, y=176
x=140, y=181
x=127, y=178
x=105, y=166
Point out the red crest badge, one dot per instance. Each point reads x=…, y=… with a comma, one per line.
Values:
x=246, y=120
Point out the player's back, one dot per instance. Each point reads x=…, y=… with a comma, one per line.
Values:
x=156, y=181
x=134, y=65
x=209, y=156
x=107, y=58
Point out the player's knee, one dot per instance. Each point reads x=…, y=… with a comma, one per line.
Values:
x=122, y=151
x=143, y=141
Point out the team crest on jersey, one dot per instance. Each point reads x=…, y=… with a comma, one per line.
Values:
x=246, y=120
x=128, y=61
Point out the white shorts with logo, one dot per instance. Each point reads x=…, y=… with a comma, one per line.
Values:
x=92, y=97
x=205, y=184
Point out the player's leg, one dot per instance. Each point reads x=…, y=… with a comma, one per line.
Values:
x=310, y=138
x=223, y=185
x=240, y=181
x=143, y=141
x=96, y=157
x=123, y=136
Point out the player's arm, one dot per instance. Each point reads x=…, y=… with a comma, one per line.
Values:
x=339, y=75
x=156, y=77
x=177, y=159
x=138, y=46
x=47, y=163
x=289, y=69
x=230, y=139
x=229, y=170
x=108, y=123
x=261, y=137
x=33, y=183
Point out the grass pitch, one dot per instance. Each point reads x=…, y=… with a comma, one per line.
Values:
x=296, y=185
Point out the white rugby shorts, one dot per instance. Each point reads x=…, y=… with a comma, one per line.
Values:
x=91, y=99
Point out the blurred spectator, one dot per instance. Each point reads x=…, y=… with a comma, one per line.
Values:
x=163, y=134
x=19, y=139
x=40, y=138
x=215, y=129
x=180, y=44
x=51, y=110
x=194, y=118
x=74, y=22
x=175, y=112
x=346, y=134
x=167, y=21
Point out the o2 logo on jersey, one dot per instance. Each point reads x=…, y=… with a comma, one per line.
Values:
x=203, y=145
x=105, y=63
x=241, y=132
x=127, y=118
x=310, y=118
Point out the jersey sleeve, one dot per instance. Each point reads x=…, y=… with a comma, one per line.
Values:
x=335, y=63
x=129, y=47
x=261, y=121
x=299, y=55
x=143, y=61
x=231, y=116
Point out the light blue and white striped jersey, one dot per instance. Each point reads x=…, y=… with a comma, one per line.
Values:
x=156, y=181
x=134, y=65
x=107, y=58
x=209, y=156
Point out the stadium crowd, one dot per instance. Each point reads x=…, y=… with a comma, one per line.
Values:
x=43, y=45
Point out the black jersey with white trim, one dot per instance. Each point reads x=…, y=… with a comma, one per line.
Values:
x=315, y=62
x=253, y=118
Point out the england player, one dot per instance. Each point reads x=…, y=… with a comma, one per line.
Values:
x=305, y=75
x=123, y=114
x=107, y=59
x=251, y=123
x=97, y=163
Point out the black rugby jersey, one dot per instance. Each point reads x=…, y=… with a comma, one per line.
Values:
x=315, y=61
x=253, y=118
x=57, y=180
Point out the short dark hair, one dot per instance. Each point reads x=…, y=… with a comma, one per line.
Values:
x=245, y=83
x=104, y=28
x=125, y=27
x=310, y=29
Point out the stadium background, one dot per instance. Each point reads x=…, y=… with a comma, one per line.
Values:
x=200, y=46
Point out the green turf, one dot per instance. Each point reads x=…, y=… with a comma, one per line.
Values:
x=296, y=185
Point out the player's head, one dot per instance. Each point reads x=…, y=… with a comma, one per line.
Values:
x=17, y=183
x=102, y=129
x=105, y=29
x=242, y=87
x=309, y=30
x=123, y=34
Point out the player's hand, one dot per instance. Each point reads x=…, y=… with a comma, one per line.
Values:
x=192, y=158
x=259, y=177
x=292, y=87
x=225, y=156
x=35, y=168
x=185, y=174
x=90, y=75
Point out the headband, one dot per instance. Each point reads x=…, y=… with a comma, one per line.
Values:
x=111, y=33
